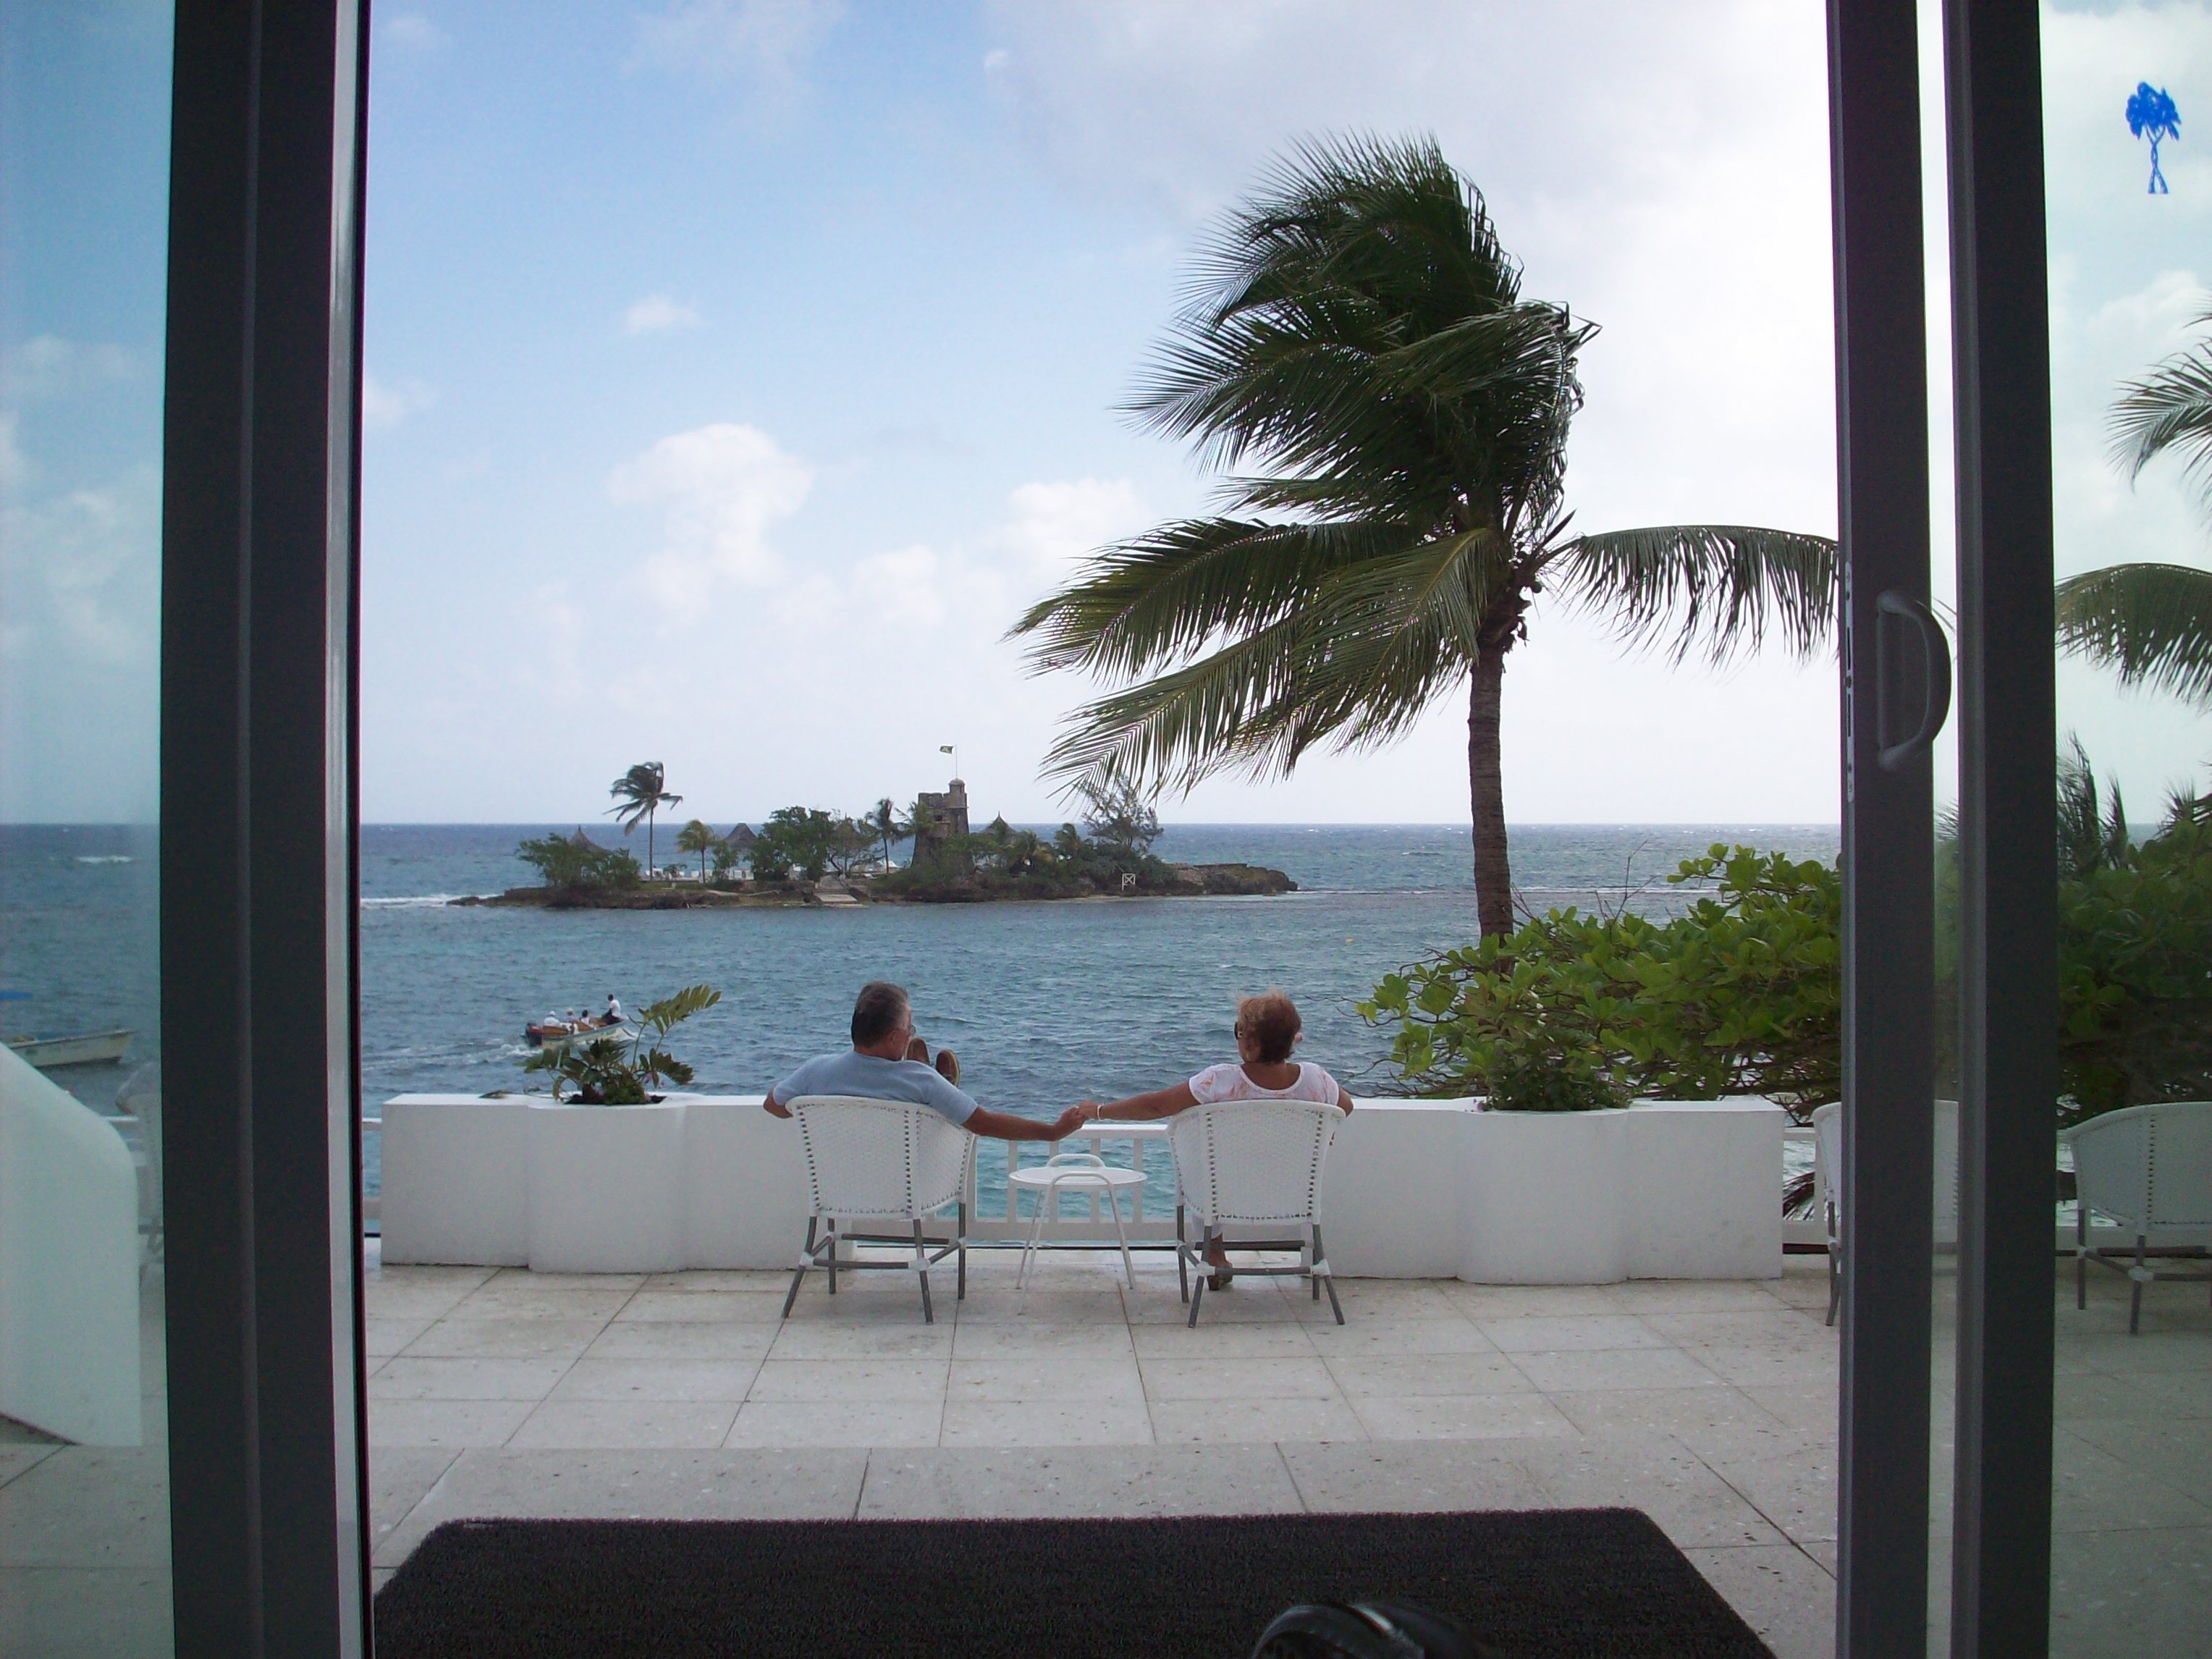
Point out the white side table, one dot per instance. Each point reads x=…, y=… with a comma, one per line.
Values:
x=1081, y=1172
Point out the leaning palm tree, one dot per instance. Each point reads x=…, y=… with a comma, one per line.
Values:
x=2151, y=624
x=641, y=793
x=1358, y=332
x=696, y=836
x=889, y=828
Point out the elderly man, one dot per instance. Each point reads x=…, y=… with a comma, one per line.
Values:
x=877, y=1068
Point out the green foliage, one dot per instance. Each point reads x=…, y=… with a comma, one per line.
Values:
x=1740, y=994
x=1000, y=861
x=570, y=862
x=2134, y=975
x=1119, y=816
x=805, y=836
x=612, y=1070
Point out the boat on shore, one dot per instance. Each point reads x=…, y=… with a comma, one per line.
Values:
x=83, y=1048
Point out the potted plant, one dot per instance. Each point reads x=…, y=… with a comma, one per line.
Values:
x=606, y=1169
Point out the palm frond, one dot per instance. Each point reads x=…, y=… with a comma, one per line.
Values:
x=1714, y=589
x=2171, y=408
x=2151, y=624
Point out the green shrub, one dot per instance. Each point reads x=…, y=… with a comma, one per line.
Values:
x=572, y=861
x=1741, y=994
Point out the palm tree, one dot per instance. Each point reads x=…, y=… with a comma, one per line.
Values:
x=696, y=836
x=889, y=828
x=641, y=793
x=2153, y=622
x=1360, y=334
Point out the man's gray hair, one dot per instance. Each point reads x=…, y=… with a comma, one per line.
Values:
x=877, y=1011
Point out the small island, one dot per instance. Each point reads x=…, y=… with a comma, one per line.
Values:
x=808, y=856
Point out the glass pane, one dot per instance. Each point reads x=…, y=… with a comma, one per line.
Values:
x=84, y=1521
x=2130, y=292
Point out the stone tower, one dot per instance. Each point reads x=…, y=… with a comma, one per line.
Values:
x=947, y=817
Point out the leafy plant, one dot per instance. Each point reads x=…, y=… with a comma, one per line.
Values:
x=571, y=862
x=1741, y=993
x=612, y=1070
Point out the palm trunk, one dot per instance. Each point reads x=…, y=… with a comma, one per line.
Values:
x=649, y=843
x=1485, y=789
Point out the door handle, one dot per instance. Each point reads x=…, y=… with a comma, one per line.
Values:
x=1936, y=684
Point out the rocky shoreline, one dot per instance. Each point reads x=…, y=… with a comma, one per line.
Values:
x=1189, y=881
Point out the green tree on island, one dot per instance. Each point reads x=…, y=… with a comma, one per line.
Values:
x=2152, y=623
x=641, y=793
x=889, y=828
x=696, y=836
x=1362, y=336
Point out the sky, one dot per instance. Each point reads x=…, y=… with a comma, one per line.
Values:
x=738, y=371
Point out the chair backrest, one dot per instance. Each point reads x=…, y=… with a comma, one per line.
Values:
x=1828, y=1152
x=879, y=1157
x=1828, y=1165
x=2147, y=1167
x=1252, y=1160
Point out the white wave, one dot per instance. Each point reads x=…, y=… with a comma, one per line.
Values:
x=413, y=901
x=105, y=858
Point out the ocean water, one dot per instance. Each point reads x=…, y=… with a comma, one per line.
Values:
x=1046, y=1004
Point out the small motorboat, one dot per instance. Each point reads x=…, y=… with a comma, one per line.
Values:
x=85, y=1049
x=560, y=1033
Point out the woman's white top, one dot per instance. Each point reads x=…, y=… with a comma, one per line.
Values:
x=1217, y=1083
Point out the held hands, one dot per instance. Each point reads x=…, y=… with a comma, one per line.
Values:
x=1074, y=1118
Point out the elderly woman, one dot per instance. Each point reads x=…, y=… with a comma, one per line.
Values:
x=1267, y=1029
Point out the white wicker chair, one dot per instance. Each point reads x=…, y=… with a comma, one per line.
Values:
x=2148, y=1168
x=1828, y=1165
x=879, y=1161
x=1249, y=1162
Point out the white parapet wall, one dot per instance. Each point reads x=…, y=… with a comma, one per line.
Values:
x=69, y=1265
x=1413, y=1190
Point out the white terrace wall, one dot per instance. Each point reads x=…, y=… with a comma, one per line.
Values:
x=1414, y=1189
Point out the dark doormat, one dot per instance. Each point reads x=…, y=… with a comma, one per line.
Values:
x=1545, y=1584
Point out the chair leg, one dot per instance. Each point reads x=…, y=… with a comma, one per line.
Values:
x=804, y=1256
x=961, y=1253
x=1113, y=1203
x=1835, y=1267
x=2080, y=1255
x=921, y=1268
x=2135, y=1302
x=833, y=1255
x=1320, y=1256
x=1198, y=1291
x=1182, y=1263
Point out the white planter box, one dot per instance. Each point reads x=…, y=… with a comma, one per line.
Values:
x=456, y=1180
x=606, y=1188
x=744, y=1186
x=1389, y=1194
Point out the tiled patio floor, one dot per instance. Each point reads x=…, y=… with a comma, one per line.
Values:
x=1712, y=1406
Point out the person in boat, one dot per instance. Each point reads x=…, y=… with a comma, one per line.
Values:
x=614, y=1014
x=1267, y=1030
x=876, y=1068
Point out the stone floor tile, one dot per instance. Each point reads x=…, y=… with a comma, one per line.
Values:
x=1246, y=1420
x=823, y=1381
x=505, y=1338
x=1776, y=1328
x=773, y=1423
x=16, y=1460
x=1789, y=1475
x=62, y=1613
x=528, y=1280
x=398, y=1479
x=1659, y=1475
x=1753, y=1365
x=1580, y=1370
x=1373, y=1299
x=454, y=1423
x=617, y=1380
x=2130, y=1596
x=520, y=1300
x=1014, y=1340
x=774, y=1283
x=756, y=1307
x=981, y=1422
x=1239, y=1305
x=1461, y=1416
x=2153, y=1351
x=1816, y=1408
x=1276, y=1339
x=1396, y=1335
x=1483, y=1302
x=598, y=1424
x=1544, y=1333
x=1661, y=1411
x=465, y=1379
x=1653, y=1295
x=1108, y=1481
x=1415, y=1477
x=798, y=1338
x=1007, y=1306
x=681, y=1339
x=382, y=1338
x=1408, y=1375
x=646, y=1484
x=1055, y=1381
x=2093, y=1490
x=1780, y=1592
x=88, y=1507
x=1244, y=1379
x=419, y=1292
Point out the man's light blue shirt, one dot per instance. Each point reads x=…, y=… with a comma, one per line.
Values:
x=875, y=1079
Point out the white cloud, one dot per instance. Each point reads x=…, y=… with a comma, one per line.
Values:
x=383, y=406
x=411, y=31
x=15, y=466
x=903, y=587
x=721, y=487
x=764, y=43
x=48, y=366
x=1052, y=525
x=657, y=314
x=79, y=570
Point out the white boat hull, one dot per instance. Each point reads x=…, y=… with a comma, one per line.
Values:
x=86, y=1049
